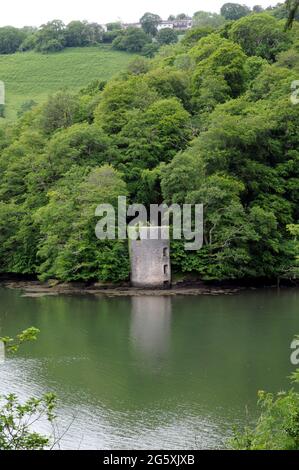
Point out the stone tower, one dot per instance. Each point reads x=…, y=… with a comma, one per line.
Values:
x=150, y=258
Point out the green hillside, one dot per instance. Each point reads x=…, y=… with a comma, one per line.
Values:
x=33, y=76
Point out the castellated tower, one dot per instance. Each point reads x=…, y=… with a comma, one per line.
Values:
x=150, y=258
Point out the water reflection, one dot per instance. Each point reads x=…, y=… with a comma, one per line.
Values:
x=150, y=372
x=151, y=326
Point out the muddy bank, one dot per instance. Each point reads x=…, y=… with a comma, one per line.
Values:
x=38, y=289
x=189, y=286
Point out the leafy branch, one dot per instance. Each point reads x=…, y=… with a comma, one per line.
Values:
x=13, y=344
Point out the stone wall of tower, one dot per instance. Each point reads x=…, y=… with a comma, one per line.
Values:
x=150, y=260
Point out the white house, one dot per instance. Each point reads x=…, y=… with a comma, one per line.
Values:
x=177, y=25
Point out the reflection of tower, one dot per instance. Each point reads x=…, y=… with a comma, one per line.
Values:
x=151, y=324
x=2, y=352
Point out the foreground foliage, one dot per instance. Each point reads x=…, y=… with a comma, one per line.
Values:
x=17, y=419
x=13, y=344
x=278, y=425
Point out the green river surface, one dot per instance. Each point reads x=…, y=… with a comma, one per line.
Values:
x=151, y=372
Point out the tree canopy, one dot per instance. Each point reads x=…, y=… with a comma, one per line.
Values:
x=150, y=23
x=206, y=120
x=234, y=11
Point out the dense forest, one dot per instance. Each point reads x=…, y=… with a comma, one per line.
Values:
x=208, y=120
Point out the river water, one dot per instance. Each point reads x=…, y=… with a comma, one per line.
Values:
x=150, y=372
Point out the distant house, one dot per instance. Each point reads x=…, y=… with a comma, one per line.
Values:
x=165, y=24
x=177, y=25
x=131, y=25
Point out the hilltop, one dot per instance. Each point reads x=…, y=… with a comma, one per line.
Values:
x=34, y=76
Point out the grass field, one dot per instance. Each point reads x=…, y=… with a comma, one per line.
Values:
x=33, y=76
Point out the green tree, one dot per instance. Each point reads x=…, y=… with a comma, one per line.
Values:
x=215, y=55
x=118, y=98
x=257, y=9
x=182, y=16
x=202, y=19
x=51, y=37
x=234, y=11
x=169, y=83
x=81, y=144
x=29, y=43
x=156, y=134
x=26, y=106
x=69, y=249
x=195, y=34
x=76, y=34
x=292, y=8
x=116, y=26
x=59, y=111
x=139, y=66
x=167, y=36
x=260, y=35
x=150, y=49
x=152, y=137
x=184, y=173
x=212, y=89
x=95, y=33
x=131, y=40
x=10, y=39
x=109, y=36
x=293, y=270
x=150, y=23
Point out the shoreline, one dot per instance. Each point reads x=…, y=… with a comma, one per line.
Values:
x=36, y=289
